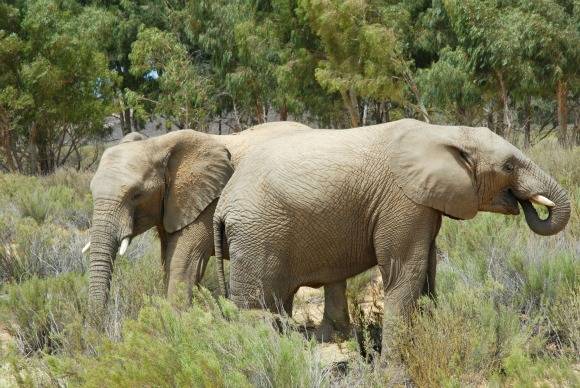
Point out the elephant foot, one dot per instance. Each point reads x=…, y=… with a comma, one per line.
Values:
x=332, y=331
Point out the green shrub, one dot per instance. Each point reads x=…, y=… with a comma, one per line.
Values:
x=45, y=313
x=28, y=249
x=201, y=347
x=61, y=198
x=136, y=278
x=564, y=319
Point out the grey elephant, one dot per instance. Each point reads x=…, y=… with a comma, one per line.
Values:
x=172, y=183
x=330, y=204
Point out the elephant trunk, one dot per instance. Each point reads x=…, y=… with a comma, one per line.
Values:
x=104, y=244
x=558, y=214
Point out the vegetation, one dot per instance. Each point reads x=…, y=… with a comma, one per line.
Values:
x=507, y=312
x=65, y=65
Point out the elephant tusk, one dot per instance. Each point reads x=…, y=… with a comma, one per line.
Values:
x=124, y=245
x=541, y=200
x=86, y=247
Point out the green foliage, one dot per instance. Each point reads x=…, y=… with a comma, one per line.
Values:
x=362, y=54
x=200, y=346
x=184, y=91
x=451, y=85
x=46, y=314
x=54, y=83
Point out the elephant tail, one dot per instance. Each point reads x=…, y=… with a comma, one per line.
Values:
x=218, y=230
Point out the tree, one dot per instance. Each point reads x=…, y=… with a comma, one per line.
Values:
x=450, y=86
x=54, y=84
x=128, y=18
x=184, y=91
x=519, y=48
x=237, y=49
x=361, y=55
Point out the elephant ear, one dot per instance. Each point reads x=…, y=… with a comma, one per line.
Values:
x=434, y=168
x=195, y=175
x=133, y=136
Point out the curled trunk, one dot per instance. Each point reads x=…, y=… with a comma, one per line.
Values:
x=558, y=215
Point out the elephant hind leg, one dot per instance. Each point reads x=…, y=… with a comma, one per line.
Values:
x=335, y=319
x=259, y=293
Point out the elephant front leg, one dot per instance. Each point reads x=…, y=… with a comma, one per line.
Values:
x=188, y=251
x=404, y=268
x=429, y=285
x=335, y=320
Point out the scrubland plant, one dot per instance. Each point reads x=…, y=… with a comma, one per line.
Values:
x=507, y=312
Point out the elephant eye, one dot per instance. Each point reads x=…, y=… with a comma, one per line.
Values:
x=508, y=167
x=465, y=156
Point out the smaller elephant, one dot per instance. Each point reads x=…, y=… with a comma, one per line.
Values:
x=330, y=204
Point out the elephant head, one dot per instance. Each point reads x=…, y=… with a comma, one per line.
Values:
x=462, y=170
x=163, y=182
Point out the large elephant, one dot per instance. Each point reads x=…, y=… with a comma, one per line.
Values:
x=330, y=204
x=172, y=183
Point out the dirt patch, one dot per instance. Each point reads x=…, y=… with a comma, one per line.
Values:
x=6, y=376
x=5, y=339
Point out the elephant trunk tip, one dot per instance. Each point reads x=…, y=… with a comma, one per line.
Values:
x=558, y=206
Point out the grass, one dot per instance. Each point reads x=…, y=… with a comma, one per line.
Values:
x=508, y=308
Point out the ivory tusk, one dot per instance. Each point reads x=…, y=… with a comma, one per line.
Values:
x=541, y=200
x=124, y=245
x=86, y=247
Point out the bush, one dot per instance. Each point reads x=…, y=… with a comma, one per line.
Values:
x=209, y=344
x=45, y=313
x=28, y=249
x=136, y=278
x=507, y=313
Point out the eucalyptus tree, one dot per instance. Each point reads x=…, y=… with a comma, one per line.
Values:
x=129, y=18
x=54, y=82
x=519, y=49
x=184, y=95
x=361, y=55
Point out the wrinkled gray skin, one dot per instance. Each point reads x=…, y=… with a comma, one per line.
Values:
x=170, y=183
x=330, y=204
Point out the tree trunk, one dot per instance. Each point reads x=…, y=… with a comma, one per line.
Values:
x=260, y=112
x=364, y=116
x=126, y=121
x=561, y=96
x=349, y=100
x=44, y=160
x=284, y=113
x=7, y=140
x=415, y=90
x=499, y=125
x=527, y=121
x=576, y=129
x=507, y=127
x=32, y=150
x=489, y=118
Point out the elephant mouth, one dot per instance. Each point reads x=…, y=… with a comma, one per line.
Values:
x=505, y=203
x=508, y=202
